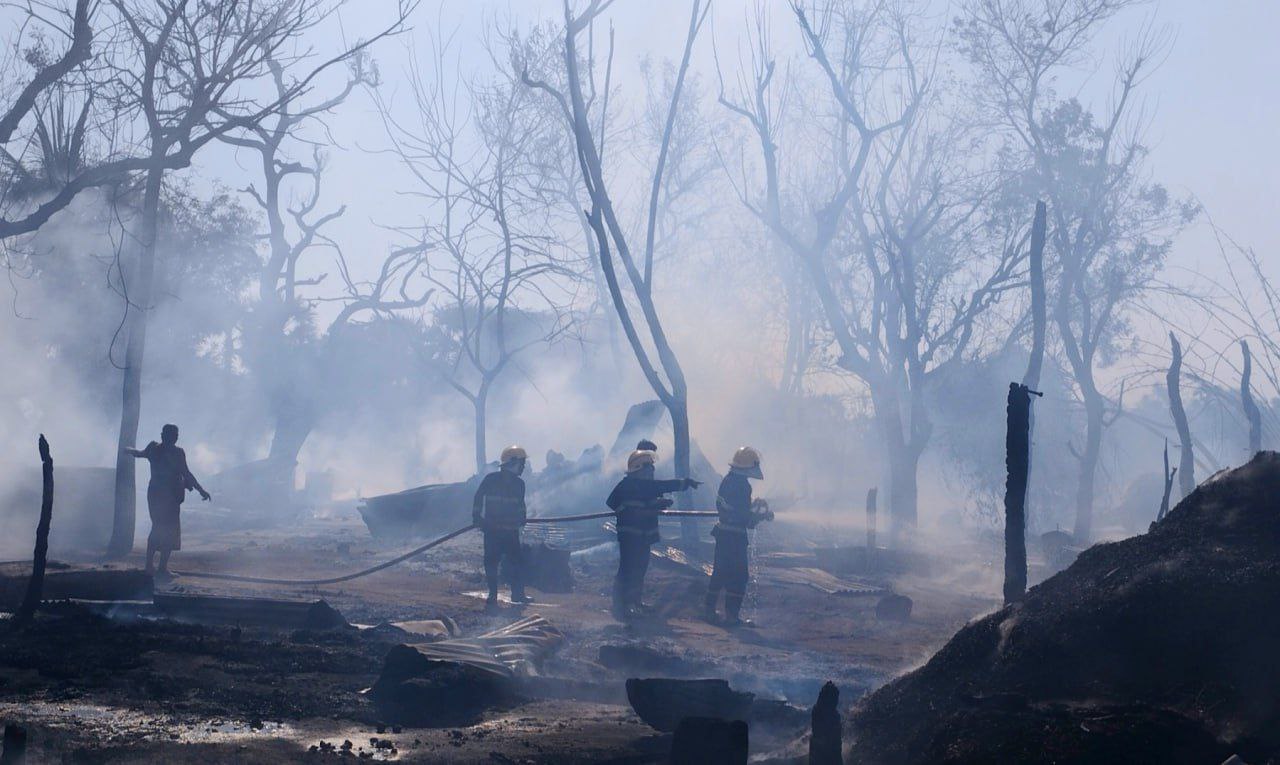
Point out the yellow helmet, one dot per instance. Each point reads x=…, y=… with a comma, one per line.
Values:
x=513, y=453
x=639, y=458
x=745, y=458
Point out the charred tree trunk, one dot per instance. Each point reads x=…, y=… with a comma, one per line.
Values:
x=904, y=464
x=35, y=587
x=1168, y=485
x=1017, y=460
x=1030, y=381
x=1186, y=462
x=481, y=405
x=604, y=222
x=871, y=520
x=139, y=293
x=1038, y=300
x=1088, y=458
x=679, y=410
x=294, y=423
x=901, y=459
x=1251, y=412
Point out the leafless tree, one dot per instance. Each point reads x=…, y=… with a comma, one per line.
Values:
x=1109, y=227
x=38, y=120
x=503, y=281
x=1251, y=412
x=892, y=245
x=291, y=356
x=539, y=55
x=1242, y=304
x=186, y=68
x=613, y=243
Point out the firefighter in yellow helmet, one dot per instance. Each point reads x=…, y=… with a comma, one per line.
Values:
x=738, y=514
x=499, y=511
x=638, y=499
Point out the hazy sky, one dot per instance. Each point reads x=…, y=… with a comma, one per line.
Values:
x=1213, y=103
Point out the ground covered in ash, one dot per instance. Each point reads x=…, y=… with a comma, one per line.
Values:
x=116, y=688
x=1161, y=648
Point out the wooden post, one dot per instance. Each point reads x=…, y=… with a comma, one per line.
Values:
x=1017, y=446
x=35, y=587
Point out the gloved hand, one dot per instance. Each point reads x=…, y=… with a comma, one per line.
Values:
x=689, y=483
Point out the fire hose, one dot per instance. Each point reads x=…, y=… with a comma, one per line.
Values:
x=418, y=551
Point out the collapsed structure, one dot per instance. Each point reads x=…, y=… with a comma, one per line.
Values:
x=563, y=487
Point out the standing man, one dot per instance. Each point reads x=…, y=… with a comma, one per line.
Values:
x=500, y=513
x=738, y=514
x=637, y=500
x=170, y=481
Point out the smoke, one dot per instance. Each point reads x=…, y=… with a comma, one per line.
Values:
x=733, y=305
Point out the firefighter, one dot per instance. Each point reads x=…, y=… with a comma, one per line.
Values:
x=638, y=499
x=500, y=512
x=738, y=514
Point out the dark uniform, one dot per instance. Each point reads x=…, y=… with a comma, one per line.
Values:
x=500, y=512
x=730, y=568
x=171, y=479
x=637, y=501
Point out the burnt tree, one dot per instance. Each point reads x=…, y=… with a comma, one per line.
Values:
x=1251, y=411
x=35, y=587
x=1110, y=227
x=882, y=218
x=613, y=243
x=1168, y=485
x=1017, y=447
x=1173, y=381
x=185, y=69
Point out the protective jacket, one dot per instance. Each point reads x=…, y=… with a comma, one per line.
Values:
x=499, y=503
x=733, y=503
x=637, y=501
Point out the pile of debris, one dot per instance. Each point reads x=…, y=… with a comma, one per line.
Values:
x=453, y=682
x=563, y=487
x=1160, y=648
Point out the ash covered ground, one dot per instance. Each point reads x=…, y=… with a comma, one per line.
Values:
x=115, y=687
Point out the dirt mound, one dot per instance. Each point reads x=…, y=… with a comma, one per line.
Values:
x=1161, y=648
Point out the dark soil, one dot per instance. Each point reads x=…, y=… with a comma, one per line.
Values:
x=171, y=668
x=140, y=690
x=1161, y=648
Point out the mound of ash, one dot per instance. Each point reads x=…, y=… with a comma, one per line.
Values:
x=1162, y=648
